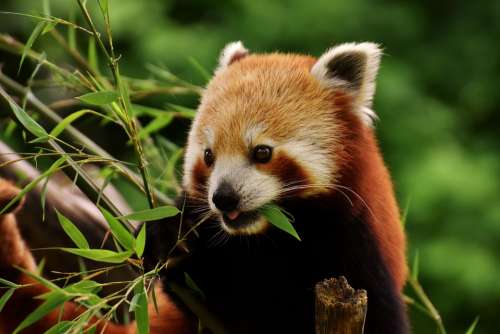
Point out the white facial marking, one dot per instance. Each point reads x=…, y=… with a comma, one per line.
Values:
x=257, y=227
x=252, y=134
x=209, y=137
x=254, y=187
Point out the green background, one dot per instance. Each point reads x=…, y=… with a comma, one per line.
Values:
x=437, y=98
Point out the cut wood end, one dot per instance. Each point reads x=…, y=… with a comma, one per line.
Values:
x=337, y=292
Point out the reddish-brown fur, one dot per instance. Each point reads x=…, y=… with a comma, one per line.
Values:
x=370, y=186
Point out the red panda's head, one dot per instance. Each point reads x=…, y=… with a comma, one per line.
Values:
x=273, y=126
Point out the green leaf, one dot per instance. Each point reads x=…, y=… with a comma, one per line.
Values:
x=8, y=283
x=140, y=110
x=121, y=234
x=5, y=297
x=404, y=217
x=472, y=326
x=99, y=98
x=152, y=214
x=276, y=217
x=124, y=93
x=40, y=26
x=414, y=270
x=140, y=242
x=28, y=123
x=49, y=26
x=173, y=159
x=156, y=124
x=193, y=286
x=59, y=128
x=51, y=303
x=200, y=69
x=84, y=287
x=73, y=232
x=60, y=328
x=103, y=4
x=141, y=308
x=100, y=255
x=33, y=183
x=45, y=282
x=183, y=111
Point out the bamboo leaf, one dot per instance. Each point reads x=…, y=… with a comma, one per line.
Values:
x=49, y=26
x=103, y=4
x=33, y=183
x=140, y=110
x=200, y=69
x=60, y=328
x=41, y=280
x=193, y=286
x=121, y=234
x=8, y=283
x=140, y=242
x=152, y=214
x=40, y=26
x=5, y=297
x=99, y=98
x=84, y=287
x=45, y=308
x=472, y=327
x=183, y=111
x=59, y=128
x=414, y=271
x=28, y=123
x=155, y=125
x=141, y=308
x=275, y=216
x=73, y=232
x=100, y=255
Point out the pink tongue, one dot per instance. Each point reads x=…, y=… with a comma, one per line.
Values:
x=233, y=215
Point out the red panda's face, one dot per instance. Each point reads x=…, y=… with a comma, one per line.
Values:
x=266, y=129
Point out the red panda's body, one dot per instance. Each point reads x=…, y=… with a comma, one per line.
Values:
x=295, y=131
x=291, y=130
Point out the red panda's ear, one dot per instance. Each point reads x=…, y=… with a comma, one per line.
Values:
x=352, y=67
x=231, y=53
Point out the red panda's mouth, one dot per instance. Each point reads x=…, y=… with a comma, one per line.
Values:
x=241, y=219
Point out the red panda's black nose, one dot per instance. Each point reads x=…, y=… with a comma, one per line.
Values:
x=225, y=198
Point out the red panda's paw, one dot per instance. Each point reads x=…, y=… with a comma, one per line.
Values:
x=13, y=249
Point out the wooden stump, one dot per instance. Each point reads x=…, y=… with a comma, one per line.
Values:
x=339, y=308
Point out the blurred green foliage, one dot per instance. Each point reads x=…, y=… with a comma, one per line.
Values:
x=437, y=98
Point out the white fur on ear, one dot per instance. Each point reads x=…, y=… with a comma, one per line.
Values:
x=353, y=67
x=232, y=52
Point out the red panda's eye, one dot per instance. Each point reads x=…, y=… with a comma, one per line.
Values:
x=208, y=157
x=262, y=153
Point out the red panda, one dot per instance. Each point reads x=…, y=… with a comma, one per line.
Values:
x=295, y=131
